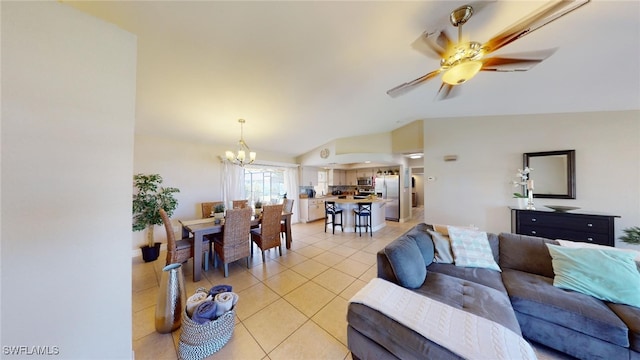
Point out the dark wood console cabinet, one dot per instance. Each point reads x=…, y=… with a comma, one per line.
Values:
x=596, y=229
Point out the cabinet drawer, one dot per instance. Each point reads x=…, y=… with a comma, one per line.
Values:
x=566, y=221
x=565, y=234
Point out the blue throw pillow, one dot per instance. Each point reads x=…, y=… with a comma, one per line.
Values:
x=407, y=262
x=424, y=242
x=608, y=275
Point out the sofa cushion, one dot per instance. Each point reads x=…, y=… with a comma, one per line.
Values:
x=482, y=276
x=471, y=248
x=406, y=261
x=420, y=233
x=526, y=253
x=590, y=271
x=442, y=245
x=630, y=315
x=469, y=296
x=535, y=295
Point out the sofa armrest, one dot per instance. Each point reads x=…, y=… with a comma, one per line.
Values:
x=385, y=271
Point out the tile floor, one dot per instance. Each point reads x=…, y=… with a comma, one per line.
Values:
x=290, y=307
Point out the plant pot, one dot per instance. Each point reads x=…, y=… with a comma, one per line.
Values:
x=218, y=215
x=522, y=203
x=258, y=211
x=150, y=253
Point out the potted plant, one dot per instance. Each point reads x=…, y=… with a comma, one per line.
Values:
x=218, y=211
x=631, y=235
x=522, y=198
x=149, y=197
x=258, y=207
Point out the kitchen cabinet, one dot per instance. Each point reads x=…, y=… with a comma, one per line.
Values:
x=368, y=173
x=312, y=209
x=337, y=177
x=351, y=177
x=309, y=176
x=590, y=228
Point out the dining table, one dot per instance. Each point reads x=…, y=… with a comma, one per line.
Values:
x=201, y=227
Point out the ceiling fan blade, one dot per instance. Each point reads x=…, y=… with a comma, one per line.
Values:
x=427, y=45
x=403, y=88
x=447, y=91
x=533, y=22
x=516, y=62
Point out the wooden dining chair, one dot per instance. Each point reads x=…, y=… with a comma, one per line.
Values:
x=233, y=243
x=207, y=208
x=267, y=236
x=179, y=251
x=240, y=204
x=287, y=207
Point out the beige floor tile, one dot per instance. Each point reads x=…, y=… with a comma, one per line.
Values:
x=352, y=267
x=324, y=244
x=328, y=258
x=144, y=280
x=309, y=298
x=310, y=342
x=241, y=346
x=310, y=251
x=291, y=259
x=266, y=270
x=239, y=280
x=254, y=299
x=144, y=299
x=155, y=346
x=285, y=282
x=372, y=273
x=352, y=289
x=333, y=319
x=144, y=322
x=343, y=250
x=364, y=257
x=271, y=325
x=310, y=268
x=334, y=280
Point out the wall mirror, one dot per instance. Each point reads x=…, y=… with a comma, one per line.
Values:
x=554, y=173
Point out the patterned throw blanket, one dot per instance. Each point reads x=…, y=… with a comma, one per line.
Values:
x=465, y=334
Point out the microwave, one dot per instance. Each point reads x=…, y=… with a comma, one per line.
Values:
x=365, y=181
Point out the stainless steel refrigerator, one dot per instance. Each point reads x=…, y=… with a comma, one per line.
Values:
x=389, y=187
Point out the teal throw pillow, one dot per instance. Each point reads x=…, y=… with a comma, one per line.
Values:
x=471, y=248
x=407, y=262
x=608, y=275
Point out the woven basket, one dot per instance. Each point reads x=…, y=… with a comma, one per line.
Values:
x=197, y=341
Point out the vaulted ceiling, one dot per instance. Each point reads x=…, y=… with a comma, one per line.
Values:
x=304, y=73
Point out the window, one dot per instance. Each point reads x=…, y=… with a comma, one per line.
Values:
x=266, y=185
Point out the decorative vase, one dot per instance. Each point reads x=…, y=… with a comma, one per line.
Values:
x=171, y=299
x=522, y=203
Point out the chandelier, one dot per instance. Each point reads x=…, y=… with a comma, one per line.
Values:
x=240, y=158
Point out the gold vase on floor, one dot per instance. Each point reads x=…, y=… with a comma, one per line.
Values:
x=171, y=299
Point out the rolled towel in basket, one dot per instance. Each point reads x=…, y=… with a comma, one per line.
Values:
x=225, y=302
x=196, y=299
x=219, y=289
x=205, y=312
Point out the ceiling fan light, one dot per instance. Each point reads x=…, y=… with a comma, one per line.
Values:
x=462, y=72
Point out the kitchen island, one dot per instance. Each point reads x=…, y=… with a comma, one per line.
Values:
x=349, y=204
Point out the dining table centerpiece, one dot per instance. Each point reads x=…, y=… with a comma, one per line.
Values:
x=218, y=212
x=258, y=207
x=149, y=197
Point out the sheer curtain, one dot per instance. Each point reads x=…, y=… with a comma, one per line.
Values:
x=291, y=184
x=232, y=183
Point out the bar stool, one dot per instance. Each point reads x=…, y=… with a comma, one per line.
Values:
x=330, y=209
x=363, y=211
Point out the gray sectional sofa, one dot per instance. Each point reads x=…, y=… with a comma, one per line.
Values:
x=521, y=297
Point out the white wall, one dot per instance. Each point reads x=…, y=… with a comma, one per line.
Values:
x=475, y=189
x=68, y=109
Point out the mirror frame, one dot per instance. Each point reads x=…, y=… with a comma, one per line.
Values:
x=571, y=172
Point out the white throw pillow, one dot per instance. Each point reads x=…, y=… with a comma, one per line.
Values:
x=471, y=248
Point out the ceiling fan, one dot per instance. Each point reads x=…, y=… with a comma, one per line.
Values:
x=461, y=61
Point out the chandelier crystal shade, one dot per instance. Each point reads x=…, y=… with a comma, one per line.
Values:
x=240, y=158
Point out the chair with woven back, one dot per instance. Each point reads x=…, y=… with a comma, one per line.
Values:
x=207, y=208
x=240, y=204
x=233, y=243
x=179, y=251
x=268, y=235
x=287, y=207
